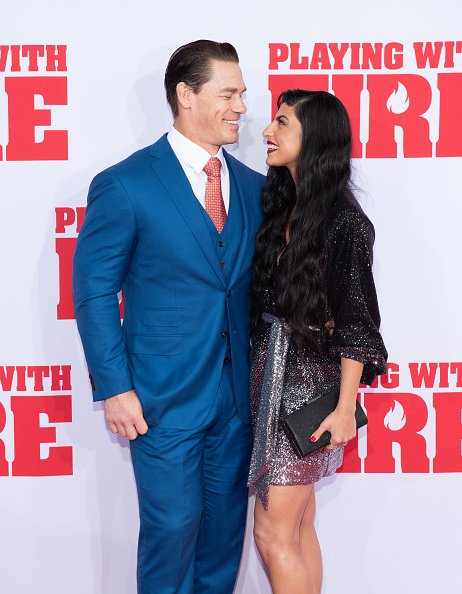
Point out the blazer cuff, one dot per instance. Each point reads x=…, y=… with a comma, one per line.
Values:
x=105, y=387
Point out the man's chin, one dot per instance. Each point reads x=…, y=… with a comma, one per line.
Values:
x=232, y=139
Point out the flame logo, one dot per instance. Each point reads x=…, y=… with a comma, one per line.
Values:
x=398, y=101
x=395, y=419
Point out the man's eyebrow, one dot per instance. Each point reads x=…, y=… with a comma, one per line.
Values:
x=232, y=90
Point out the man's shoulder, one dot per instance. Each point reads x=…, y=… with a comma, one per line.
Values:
x=137, y=159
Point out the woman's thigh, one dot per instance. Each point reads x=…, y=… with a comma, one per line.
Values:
x=286, y=508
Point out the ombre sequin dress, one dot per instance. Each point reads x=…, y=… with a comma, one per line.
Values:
x=282, y=379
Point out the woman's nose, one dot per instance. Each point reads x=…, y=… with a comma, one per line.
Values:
x=267, y=131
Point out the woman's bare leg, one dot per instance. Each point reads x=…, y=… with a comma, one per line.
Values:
x=277, y=535
x=309, y=544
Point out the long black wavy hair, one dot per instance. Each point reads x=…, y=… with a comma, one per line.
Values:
x=301, y=207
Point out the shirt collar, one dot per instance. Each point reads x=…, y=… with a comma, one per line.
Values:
x=193, y=154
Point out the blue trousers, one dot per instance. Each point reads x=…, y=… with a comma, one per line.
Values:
x=193, y=499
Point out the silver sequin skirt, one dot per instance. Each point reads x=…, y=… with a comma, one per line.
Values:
x=274, y=461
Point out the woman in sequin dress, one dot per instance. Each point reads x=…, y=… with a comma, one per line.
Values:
x=315, y=324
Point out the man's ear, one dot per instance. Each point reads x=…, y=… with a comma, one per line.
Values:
x=184, y=94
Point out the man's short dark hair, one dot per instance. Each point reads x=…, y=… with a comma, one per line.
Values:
x=190, y=64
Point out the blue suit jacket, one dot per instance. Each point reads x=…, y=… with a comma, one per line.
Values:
x=144, y=232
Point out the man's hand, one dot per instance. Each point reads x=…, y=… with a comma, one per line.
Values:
x=124, y=415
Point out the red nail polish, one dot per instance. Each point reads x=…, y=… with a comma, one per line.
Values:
x=312, y=438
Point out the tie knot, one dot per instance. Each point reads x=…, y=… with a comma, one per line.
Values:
x=212, y=167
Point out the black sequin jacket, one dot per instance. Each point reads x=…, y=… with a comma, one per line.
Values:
x=351, y=290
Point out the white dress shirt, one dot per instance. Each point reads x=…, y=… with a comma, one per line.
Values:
x=193, y=159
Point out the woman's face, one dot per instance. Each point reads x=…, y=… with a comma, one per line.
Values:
x=284, y=138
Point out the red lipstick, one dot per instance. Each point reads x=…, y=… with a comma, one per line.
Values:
x=271, y=147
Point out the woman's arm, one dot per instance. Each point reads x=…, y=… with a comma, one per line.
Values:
x=341, y=423
x=352, y=296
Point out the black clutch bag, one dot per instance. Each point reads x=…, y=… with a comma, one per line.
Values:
x=302, y=423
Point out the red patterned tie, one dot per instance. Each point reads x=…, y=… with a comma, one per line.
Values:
x=214, y=204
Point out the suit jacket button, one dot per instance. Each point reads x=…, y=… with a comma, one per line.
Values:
x=221, y=244
x=224, y=334
x=222, y=264
x=229, y=293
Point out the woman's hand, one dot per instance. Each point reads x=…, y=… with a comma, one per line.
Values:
x=340, y=424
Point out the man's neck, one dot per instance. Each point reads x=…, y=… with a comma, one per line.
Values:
x=190, y=134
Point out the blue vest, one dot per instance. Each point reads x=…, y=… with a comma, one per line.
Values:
x=228, y=241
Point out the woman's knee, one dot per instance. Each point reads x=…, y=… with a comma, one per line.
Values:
x=273, y=540
x=262, y=538
x=310, y=512
x=277, y=530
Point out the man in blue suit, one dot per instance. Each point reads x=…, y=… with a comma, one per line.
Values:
x=173, y=225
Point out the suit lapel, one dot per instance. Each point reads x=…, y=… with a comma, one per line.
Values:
x=243, y=189
x=175, y=182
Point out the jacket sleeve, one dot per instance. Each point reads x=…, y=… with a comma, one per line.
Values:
x=352, y=295
x=102, y=256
